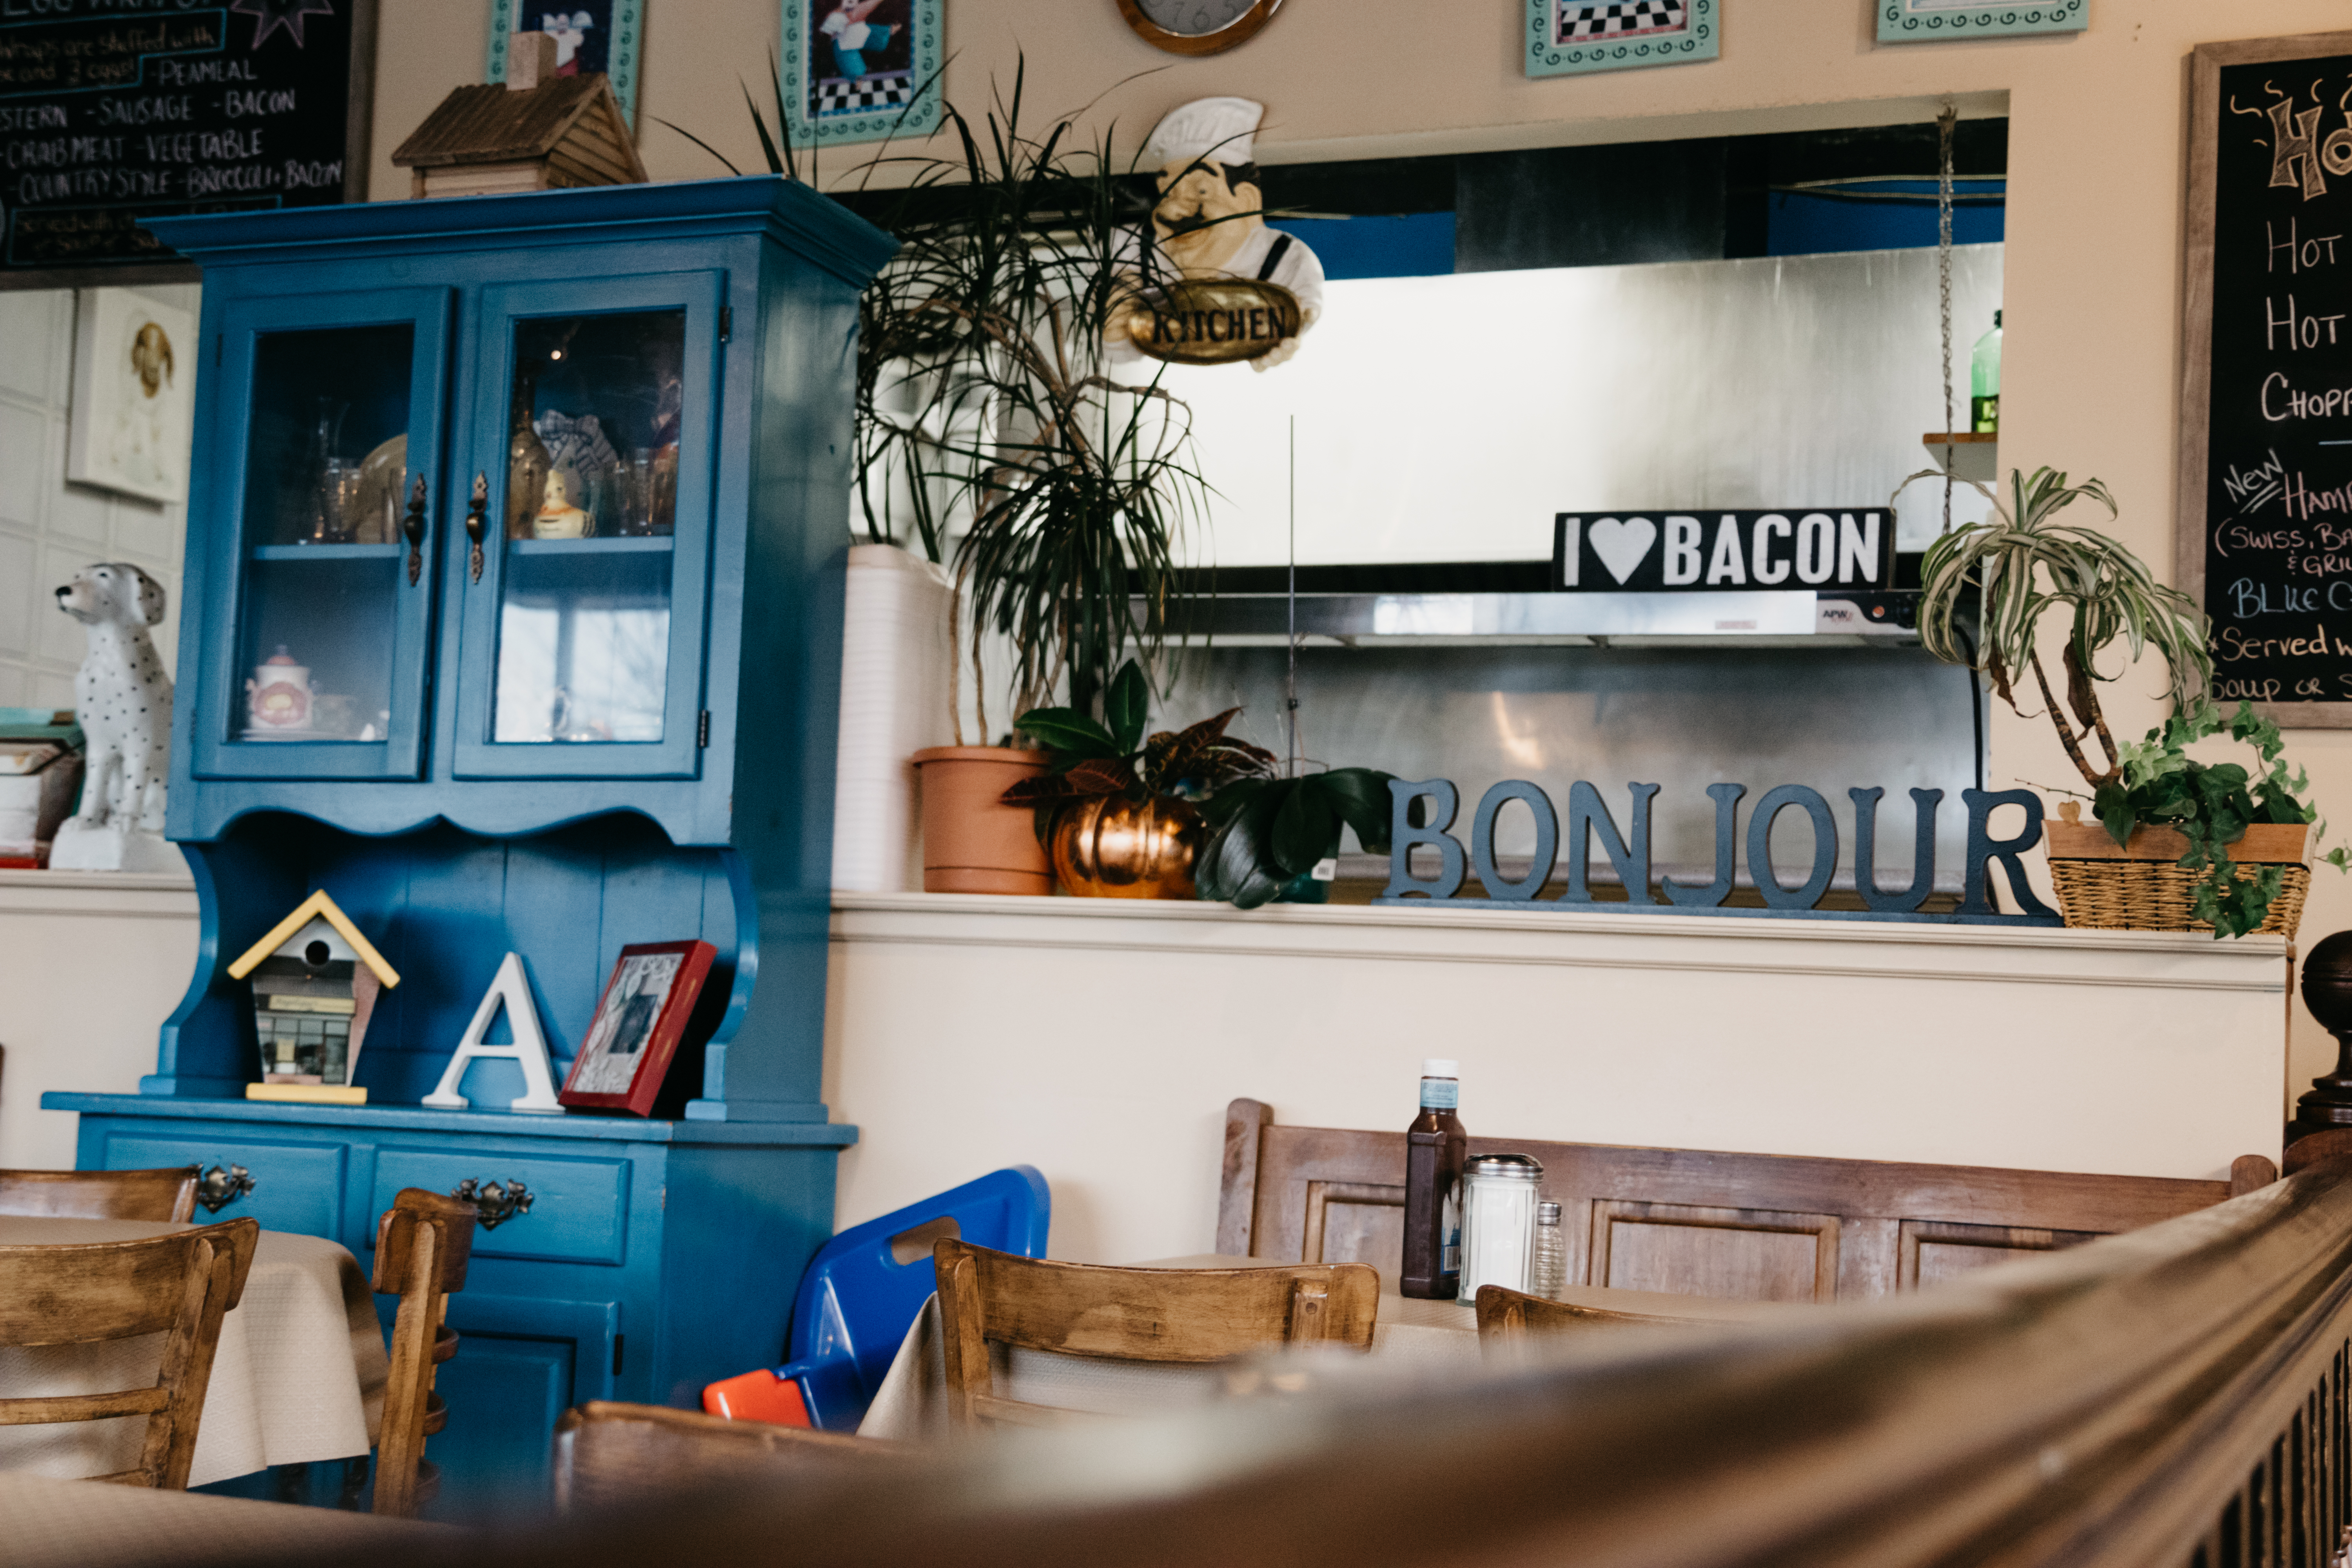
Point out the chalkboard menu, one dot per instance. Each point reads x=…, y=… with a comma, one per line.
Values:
x=116, y=111
x=2265, y=531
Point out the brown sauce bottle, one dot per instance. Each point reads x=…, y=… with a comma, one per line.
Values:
x=1435, y=1146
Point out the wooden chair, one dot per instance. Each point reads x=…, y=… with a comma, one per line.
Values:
x=610, y=1454
x=1504, y=1312
x=1698, y=1222
x=179, y=1286
x=422, y=1246
x=165, y=1194
x=1168, y=1315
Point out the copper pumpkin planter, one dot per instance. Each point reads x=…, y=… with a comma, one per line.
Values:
x=1112, y=848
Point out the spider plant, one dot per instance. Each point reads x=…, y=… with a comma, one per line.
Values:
x=2018, y=564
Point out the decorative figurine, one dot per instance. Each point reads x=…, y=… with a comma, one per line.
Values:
x=315, y=984
x=277, y=697
x=558, y=517
x=123, y=701
x=1217, y=285
x=528, y=1050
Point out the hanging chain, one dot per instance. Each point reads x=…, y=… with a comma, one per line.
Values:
x=1945, y=124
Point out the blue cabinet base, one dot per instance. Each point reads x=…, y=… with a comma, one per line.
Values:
x=657, y=1256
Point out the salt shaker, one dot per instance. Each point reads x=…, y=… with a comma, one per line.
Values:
x=1499, y=1221
x=1547, y=1275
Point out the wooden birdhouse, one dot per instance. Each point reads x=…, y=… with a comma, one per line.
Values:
x=315, y=984
x=537, y=132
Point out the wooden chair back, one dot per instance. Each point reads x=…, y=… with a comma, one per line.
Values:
x=1168, y=1315
x=165, y=1194
x=1504, y=1312
x=1696, y=1222
x=610, y=1454
x=179, y=1286
x=422, y=1246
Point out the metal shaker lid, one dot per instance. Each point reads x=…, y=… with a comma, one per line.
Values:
x=1546, y=1213
x=1511, y=1167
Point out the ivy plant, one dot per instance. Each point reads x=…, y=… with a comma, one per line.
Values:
x=2211, y=805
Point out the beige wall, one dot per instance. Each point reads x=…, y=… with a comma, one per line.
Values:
x=2097, y=130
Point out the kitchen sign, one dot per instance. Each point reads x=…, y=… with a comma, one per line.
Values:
x=1796, y=548
x=1215, y=320
x=1421, y=817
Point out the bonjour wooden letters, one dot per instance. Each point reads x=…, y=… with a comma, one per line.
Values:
x=1423, y=814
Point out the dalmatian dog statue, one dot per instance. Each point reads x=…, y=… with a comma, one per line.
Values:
x=122, y=696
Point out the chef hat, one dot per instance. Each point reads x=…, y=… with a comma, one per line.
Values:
x=1218, y=129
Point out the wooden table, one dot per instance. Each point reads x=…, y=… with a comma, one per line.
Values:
x=83, y=1524
x=909, y=1405
x=300, y=1373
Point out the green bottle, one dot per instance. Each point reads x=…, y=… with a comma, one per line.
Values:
x=1984, y=382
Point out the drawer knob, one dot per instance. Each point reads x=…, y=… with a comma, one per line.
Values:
x=222, y=1186
x=499, y=1202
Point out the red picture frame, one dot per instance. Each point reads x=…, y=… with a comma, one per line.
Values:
x=638, y=1023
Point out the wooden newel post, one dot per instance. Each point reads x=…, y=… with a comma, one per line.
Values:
x=2327, y=1105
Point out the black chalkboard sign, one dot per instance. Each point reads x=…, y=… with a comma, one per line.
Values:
x=115, y=111
x=2265, y=531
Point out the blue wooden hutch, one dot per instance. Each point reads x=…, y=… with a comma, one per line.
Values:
x=528, y=513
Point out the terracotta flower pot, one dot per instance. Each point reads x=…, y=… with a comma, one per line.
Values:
x=1111, y=847
x=972, y=843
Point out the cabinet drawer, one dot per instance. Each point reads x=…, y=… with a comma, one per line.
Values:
x=579, y=1208
x=297, y=1187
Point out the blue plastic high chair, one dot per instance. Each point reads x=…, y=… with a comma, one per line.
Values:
x=857, y=1300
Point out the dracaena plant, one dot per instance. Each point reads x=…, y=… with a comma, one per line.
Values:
x=2020, y=563
x=984, y=406
x=1091, y=759
x=2018, y=566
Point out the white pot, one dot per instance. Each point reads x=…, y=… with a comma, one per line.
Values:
x=895, y=654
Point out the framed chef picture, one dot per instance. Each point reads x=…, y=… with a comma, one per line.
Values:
x=1567, y=37
x=639, y=1021
x=591, y=38
x=1945, y=21
x=861, y=70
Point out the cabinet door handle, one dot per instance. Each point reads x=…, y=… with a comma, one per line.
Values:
x=222, y=1186
x=477, y=521
x=497, y=1202
x=412, y=527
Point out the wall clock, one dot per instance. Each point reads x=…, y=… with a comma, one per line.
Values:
x=1198, y=26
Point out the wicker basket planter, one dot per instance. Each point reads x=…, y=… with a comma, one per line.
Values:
x=2139, y=886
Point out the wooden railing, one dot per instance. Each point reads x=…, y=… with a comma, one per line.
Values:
x=2172, y=1397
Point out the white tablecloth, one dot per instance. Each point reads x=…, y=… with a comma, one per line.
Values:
x=83, y=1524
x=300, y=1373
x=1407, y=1333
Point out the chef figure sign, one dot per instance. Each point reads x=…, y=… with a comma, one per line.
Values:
x=1214, y=284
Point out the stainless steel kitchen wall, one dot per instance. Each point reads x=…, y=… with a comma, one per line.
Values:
x=1449, y=418
x=1834, y=719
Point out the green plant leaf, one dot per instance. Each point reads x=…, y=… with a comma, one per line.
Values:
x=1067, y=729
x=2116, y=812
x=1126, y=705
x=1360, y=796
x=1306, y=829
x=1233, y=864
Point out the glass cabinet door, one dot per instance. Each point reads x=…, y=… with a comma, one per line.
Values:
x=316, y=627
x=589, y=529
